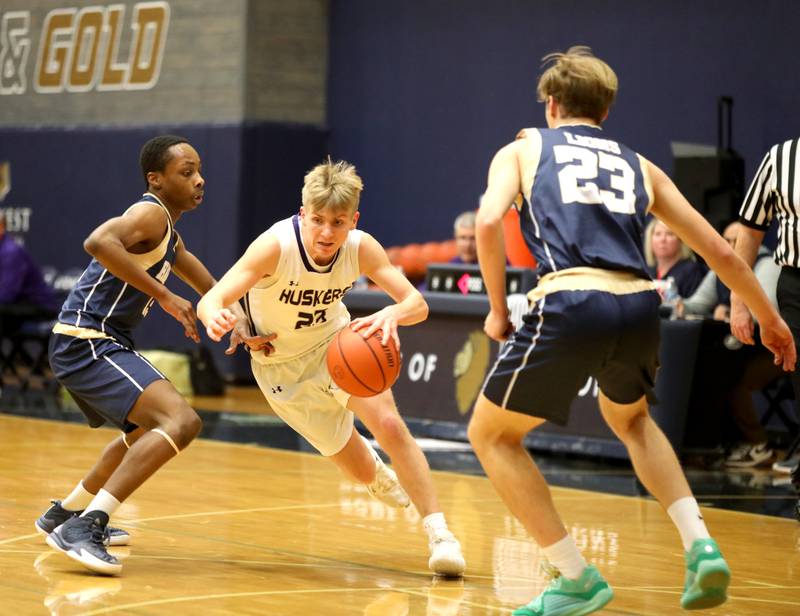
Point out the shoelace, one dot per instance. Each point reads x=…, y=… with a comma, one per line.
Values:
x=98, y=532
x=740, y=452
x=383, y=481
x=550, y=571
x=443, y=536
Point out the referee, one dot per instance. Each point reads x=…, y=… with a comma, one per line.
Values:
x=774, y=193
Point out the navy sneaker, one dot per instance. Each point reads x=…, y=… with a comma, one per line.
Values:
x=57, y=515
x=81, y=538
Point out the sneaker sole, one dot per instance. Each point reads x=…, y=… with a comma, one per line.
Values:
x=448, y=568
x=599, y=601
x=113, y=540
x=87, y=560
x=710, y=586
x=117, y=540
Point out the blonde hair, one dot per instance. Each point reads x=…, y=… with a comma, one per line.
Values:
x=583, y=85
x=334, y=185
x=686, y=252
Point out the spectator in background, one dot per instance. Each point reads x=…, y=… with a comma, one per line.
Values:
x=668, y=257
x=21, y=280
x=744, y=370
x=464, y=233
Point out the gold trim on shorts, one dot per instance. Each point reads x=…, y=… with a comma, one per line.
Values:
x=78, y=332
x=590, y=279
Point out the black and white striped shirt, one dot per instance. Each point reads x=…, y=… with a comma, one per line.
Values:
x=775, y=192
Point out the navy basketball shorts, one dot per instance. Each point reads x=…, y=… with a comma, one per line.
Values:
x=104, y=377
x=568, y=336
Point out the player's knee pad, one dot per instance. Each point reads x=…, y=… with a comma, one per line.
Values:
x=166, y=437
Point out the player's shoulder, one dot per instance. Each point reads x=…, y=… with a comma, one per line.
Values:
x=147, y=211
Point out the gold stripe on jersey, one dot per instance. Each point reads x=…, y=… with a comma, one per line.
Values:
x=648, y=182
x=590, y=279
x=84, y=333
x=530, y=159
x=149, y=259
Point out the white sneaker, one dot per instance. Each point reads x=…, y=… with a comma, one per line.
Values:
x=787, y=465
x=749, y=456
x=385, y=487
x=446, y=557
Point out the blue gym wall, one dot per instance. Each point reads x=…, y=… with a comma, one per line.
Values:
x=421, y=94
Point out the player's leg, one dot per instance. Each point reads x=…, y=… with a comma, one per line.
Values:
x=497, y=437
x=170, y=424
x=535, y=378
x=626, y=380
x=657, y=466
x=122, y=388
x=361, y=463
x=86, y=489
x=379, y=414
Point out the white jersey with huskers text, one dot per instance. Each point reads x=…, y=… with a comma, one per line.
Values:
x=302, y=301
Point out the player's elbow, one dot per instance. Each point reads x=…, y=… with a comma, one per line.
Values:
x=424, y=309
x=93, y=244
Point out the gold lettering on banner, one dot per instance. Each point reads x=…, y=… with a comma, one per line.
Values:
x=79, y=50
x=84, y=56
x=54, y=49
x=150, y=20
x=15, y=44
x=114, y=73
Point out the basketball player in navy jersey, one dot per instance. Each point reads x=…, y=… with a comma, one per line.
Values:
x=92, y=352
x=593, y=313
x=293, y=278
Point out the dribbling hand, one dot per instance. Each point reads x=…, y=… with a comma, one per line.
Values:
x=183, y=312
x=383, y=320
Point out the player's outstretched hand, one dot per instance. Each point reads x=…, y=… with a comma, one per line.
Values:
x=220, y=323
x=497, y=325
x=384, y=321
x=241, y=335
x=182, y=311
x=777, y=337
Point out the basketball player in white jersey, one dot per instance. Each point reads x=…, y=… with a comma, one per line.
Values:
x=293, y=278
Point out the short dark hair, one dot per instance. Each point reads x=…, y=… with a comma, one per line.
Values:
x=155, y=154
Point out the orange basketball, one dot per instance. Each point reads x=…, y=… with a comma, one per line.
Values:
x=361, y=366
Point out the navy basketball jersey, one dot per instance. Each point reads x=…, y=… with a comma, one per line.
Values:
x=101, y=302
x=586, y=198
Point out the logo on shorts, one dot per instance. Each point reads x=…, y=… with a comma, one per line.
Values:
x=277, y=389
x=5, y=179
x=469, y=368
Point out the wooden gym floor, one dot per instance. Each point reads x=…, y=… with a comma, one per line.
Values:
x=239, y=529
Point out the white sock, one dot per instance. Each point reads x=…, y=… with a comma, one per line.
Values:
x=433, y=523
x=565, y=556
x=687, y=518
x=77, y=499
x=104, y=501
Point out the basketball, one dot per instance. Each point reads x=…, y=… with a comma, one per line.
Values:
x=361, y=366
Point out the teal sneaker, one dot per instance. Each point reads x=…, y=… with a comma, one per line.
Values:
x=707, y=576
x=565, y=597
